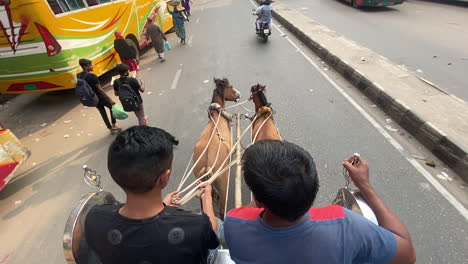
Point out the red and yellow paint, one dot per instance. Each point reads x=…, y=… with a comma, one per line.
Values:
x=12, y=154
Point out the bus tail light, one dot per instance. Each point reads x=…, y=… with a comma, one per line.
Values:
x=52, y=45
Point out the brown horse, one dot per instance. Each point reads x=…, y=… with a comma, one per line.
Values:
x=264, y=126
x=219, y=148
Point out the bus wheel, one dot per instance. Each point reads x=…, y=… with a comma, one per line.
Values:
x=134, y=46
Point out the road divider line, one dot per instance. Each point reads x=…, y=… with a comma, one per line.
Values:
x=197, y=21
x=176, y=79
x=441, y=189
x=190, y=40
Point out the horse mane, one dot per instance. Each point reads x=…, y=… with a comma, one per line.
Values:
x=219, y=90
x=261, y=94
x=263, y=99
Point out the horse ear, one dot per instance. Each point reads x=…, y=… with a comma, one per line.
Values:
x=263, y=87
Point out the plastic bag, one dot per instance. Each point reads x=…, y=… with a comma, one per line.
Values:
x=167, y=45
x=118, y=112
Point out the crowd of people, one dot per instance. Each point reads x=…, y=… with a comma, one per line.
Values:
x=128, y=88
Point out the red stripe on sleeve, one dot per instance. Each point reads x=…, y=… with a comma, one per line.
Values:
x=327, y=213
x=246, y=213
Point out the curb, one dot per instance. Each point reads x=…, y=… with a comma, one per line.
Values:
x=454, y=154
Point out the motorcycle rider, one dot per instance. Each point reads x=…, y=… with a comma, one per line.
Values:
x=264, y=14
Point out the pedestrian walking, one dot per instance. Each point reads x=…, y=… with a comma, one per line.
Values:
x=175, y=9
x=157, y=37
x=103, y=100
x=126, y=52
x=128, y=90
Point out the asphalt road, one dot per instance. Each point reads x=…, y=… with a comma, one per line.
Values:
x=221, y=42
x=428, y=37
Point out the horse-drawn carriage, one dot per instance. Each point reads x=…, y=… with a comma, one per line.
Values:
x=212, y=160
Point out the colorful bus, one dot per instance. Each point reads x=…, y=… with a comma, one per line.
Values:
x=41, y=41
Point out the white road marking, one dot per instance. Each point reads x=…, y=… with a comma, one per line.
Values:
x=190, y=40
x=176, y=79
x=441, y=189
x=197, y=21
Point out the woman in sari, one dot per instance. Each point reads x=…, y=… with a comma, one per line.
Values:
x=175, y=9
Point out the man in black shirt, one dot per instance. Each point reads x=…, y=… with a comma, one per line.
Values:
x=136, y=86
x=104, y=99
x=147, y=228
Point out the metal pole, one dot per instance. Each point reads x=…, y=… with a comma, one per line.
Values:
x=238, y=195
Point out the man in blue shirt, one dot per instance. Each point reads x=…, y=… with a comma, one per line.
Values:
x=283, y=229
x=263, y=13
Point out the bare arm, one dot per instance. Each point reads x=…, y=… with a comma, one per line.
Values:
x=207, y=206
x=359, y=173
x=142, y=87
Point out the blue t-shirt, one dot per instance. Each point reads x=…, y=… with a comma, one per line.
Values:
x=329, y=235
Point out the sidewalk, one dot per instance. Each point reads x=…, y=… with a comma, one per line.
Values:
x=437, y=119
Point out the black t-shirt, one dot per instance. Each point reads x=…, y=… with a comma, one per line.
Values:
x=172, y=236
x=133, y=82
x=92, y=80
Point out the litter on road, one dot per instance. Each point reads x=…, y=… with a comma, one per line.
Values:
x=390, y=128
x=430, y=163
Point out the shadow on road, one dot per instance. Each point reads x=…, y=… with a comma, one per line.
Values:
x=52, y=178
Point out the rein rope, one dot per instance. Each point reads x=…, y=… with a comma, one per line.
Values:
x=192, y=189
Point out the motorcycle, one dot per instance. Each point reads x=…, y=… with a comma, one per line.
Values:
x=264, y=31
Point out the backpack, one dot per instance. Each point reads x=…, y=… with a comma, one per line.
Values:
x=84, y=91
x=128, y=97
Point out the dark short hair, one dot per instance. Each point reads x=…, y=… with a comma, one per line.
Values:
x=282, y=176
x=149, y=19
x=138, y=156
x=84, y=62
x=122, y=69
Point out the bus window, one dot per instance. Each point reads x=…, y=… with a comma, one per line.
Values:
x=55, y=6
x=92, y=2
x=69, y=5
